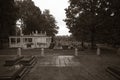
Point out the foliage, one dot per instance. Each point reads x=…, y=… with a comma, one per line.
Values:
x=8, y=17
x=94, y=20
x=34, y=19
x=49, y=23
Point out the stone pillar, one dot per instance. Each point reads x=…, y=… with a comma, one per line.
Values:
x=9, y=42
x=15, y=40
x=21, y=41
x=19, y=52
x=76, y=52
x=42, y=51
x=98, y=51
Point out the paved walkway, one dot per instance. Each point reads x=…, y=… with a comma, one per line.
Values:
x=69, y=68
x=59, y=61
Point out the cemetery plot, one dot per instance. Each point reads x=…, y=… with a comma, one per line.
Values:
x=13, y=72
x=114, y=70
x=13, y=61
x=23, y=72
x=28, y=61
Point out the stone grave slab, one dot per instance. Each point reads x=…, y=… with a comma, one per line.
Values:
x=13, y=61
x=13, y=72
x=114, y=70
x=28, y=61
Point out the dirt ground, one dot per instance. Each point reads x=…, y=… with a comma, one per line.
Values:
x=63, y=65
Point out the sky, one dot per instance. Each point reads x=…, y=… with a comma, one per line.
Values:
x=56, y=8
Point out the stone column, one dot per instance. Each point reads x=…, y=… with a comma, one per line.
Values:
x=19, y=52
x=98, y=51
x=76, y=52
x=9, y=42
x=16, y=40
x=42, y=51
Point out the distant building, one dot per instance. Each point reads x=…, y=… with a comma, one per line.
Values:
x=30, y=41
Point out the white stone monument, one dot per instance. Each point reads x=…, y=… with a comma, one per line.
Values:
x=19, y=52
x=76, y=52
x=42, y=51
x=98, y=51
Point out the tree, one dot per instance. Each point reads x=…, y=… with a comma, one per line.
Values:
x=93, y=20
x=50, y=23
x=30, y=15
x=8, y=17
x=33, y=19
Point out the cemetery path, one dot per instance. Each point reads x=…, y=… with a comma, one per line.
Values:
x=69, y=68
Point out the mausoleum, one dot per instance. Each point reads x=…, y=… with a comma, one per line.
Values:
x=35, y=40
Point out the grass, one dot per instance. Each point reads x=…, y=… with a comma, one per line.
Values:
x=92, y=67
x=37, y=52
x=56, y=52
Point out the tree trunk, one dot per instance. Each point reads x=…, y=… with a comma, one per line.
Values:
x=1, y=44
x=82, y=44
x=92, y=38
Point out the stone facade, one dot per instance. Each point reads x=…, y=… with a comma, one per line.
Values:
x=30, y=41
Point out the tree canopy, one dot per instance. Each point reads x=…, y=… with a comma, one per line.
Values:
x=31, y=16
x=94, y=20
x=8, y=17
x=34, y=19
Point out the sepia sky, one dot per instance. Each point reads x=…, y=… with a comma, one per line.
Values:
x=56, y=8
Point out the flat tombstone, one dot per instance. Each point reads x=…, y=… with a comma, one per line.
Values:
x=10, y=73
